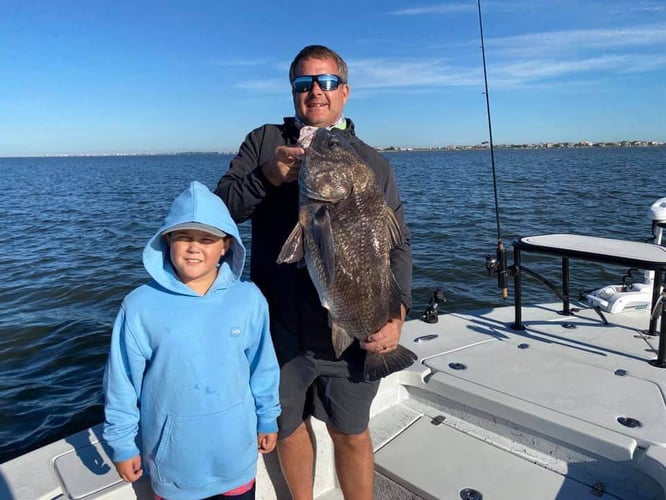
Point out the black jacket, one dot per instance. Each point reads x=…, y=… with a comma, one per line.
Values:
x=298, y=321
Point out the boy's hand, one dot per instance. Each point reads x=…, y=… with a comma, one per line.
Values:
x=266, y=442
x=130, y=470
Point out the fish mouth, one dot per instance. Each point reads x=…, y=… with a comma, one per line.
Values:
x=318, y=196
x=330, y=192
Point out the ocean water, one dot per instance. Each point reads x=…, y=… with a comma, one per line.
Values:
x=74, y=229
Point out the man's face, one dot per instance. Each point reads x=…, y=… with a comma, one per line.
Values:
x=317, y=107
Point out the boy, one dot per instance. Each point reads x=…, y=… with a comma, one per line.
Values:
x=192, y=369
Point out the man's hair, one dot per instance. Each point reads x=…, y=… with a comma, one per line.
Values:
x=319, y=52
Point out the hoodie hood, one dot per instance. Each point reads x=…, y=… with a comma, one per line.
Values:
x=197, y=204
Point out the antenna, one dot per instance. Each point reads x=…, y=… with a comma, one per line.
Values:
x=500, y=263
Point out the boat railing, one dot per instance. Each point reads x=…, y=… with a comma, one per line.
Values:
x=647, y=256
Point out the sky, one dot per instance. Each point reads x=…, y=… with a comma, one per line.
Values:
x=127, y=77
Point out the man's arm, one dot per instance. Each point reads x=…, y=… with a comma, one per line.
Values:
x=386, y=338
x=263, y=162
x=401, y=255
x=244, y=186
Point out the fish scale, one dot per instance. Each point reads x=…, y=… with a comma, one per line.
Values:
x=362, y=265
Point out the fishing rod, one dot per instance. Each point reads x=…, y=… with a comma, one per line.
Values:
x=498, y=264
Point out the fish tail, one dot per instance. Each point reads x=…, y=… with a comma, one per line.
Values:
x=381, y=365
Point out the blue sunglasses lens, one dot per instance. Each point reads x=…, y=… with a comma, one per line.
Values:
x=304, y=83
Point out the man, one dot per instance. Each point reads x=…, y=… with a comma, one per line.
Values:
x=260, y=185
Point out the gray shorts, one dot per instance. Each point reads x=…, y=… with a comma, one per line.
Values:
x=327, y=390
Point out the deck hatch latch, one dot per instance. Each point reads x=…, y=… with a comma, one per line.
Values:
x=439, y=419
x=470, y=494
x=629, y=422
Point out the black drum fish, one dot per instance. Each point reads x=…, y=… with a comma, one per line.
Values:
x=344, y=235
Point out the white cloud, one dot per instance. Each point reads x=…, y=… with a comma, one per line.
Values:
x=532, y=59
x=396, y=73
x=434, y=9
x=548, y=69
x=558, y=42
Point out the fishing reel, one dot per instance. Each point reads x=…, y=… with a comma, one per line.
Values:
x=430, y=315
x=491, y=264
x=496, y=264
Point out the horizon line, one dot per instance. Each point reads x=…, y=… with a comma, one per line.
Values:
x=481, y=145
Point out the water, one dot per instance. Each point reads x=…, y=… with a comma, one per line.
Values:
x=74, y=229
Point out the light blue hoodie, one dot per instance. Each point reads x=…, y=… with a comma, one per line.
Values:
x=195, y=376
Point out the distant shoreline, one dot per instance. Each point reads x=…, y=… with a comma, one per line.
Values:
x=389, y=149
x=543, y=145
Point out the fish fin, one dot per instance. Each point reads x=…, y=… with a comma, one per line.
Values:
x=292, y=250
x=341, y=339
x=396, y=235
x=380, y=365
x=395, y=299
x=322, y=233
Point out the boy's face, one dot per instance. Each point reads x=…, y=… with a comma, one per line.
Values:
x=195, y=255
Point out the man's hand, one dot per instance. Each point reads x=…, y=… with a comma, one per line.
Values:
x=130, y=470
x=283, y=165
x=386, y=339
x=266, y=442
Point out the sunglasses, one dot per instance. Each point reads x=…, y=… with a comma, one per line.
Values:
x=304, y=83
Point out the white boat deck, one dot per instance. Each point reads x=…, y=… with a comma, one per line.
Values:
x=534, y=413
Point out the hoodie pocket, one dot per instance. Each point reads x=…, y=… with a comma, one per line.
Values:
x=198, y=450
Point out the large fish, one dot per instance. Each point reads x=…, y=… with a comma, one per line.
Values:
x=345, y=234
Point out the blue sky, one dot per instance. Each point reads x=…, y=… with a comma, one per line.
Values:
x=91, y=76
